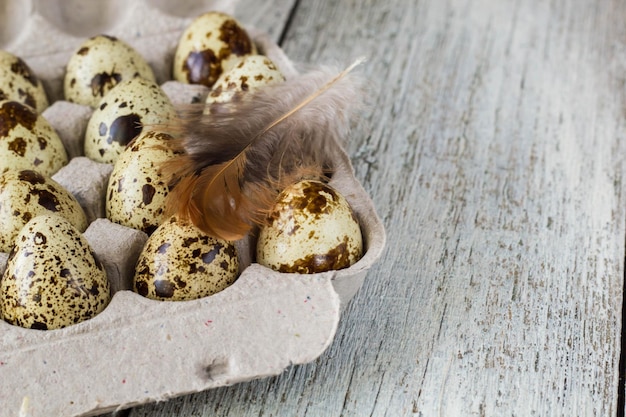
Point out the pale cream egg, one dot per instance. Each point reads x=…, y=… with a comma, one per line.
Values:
x=137, y=190
x=310, y=229
x=122, y=115
x=180, y=262
x=19, y=83
x=52, y=279
x=99, y=64
x=26, y=194
x=248, y=74
x=208, y=47
x=27, y=141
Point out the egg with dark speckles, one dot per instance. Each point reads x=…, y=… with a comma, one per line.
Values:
x=19, y=83
x=52, y=279
x=310, y=229
x=27, y=194
x=136, y=192
x=208, y=47
x=122, y=115
x=180, y=262
x=27, y=141
x=248, y=74
x=99, y=64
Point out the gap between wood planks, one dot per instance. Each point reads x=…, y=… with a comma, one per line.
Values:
x=290, y=18
x=621, y=386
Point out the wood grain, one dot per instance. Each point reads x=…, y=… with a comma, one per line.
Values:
x=269, y=16
x=493, y=151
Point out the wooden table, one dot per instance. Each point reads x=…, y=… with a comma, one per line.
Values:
x=494, y=152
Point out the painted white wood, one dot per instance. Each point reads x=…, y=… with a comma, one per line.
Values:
x=269, y=16
x=495, y=157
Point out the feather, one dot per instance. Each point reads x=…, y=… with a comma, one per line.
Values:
x=237, y=156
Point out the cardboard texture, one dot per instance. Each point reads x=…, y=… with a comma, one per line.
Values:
x=140, y=350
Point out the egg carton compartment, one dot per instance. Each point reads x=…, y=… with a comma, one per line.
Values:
x=140, y=350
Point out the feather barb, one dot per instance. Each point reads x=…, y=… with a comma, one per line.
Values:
x=236, y=157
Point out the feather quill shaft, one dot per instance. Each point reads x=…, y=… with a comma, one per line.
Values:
x=237, y=156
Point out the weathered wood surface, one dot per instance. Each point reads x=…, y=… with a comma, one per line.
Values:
x=494, y=157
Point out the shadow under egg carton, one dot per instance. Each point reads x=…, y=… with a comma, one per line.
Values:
x=139, y=350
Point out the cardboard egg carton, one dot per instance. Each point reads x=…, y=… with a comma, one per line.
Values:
x=139, y=350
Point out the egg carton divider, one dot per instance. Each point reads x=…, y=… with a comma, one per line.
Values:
x=139, y=350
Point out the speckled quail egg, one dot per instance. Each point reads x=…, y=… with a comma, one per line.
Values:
x=27, y=141
x=98, y=65
x=27, y=194
x=19, y=83
x=53, y=279
x=121, y=115
x=310, y=229
x=248, y=74
x=180, y=262
x=137, y=189
x=208, y=47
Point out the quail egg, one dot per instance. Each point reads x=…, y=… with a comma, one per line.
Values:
x=248, y=74
x=52, y=279
x=27, y=141
x=26, y=194
x=99, y=64
x=137, y=190
x=19, y=83
x=180, y=262
x=122, y=114
x=208, y=47
x=310, y=229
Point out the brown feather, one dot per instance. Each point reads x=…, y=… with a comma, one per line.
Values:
x=237, y=156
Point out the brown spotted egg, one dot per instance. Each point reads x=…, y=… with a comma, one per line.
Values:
x=311, y=228
x=19, y=83
x=27, y=194
x=209, y=46
x=180, y=262
x=27, y=141
x=99, y=64
x=122, y=114
x=136, y=192
x=248, y=74
x=52, y=279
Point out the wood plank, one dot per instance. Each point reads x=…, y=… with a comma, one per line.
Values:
x=268, y=16
x=495, y=159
